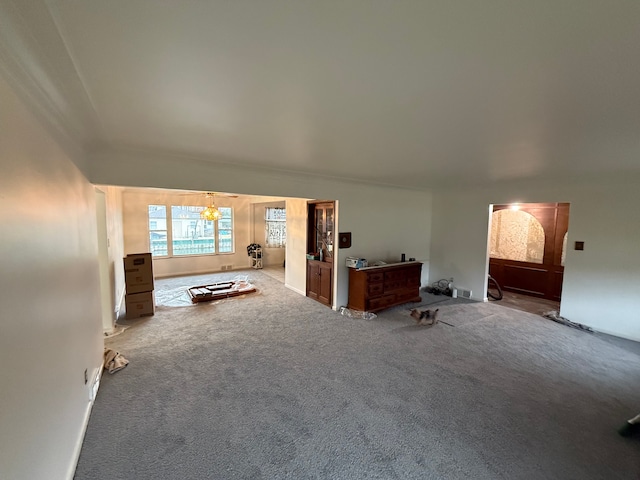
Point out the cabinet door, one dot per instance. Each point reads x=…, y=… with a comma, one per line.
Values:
x=325, y=283
x=328, y=230
x=313, y=280
x=321, y=229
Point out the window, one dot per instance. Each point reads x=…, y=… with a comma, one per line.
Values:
x=225, y=230
x=158, y=230
x=275, y=227
x=190, y=234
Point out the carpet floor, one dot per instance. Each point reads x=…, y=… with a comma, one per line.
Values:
x=276, y=386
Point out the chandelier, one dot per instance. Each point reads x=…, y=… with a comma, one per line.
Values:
x=211, y=213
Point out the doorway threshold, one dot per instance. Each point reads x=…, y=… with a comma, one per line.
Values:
x=526, y=303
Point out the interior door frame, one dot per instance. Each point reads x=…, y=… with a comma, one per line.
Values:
x=551, y=259
x=106, y=288
x=310, y=232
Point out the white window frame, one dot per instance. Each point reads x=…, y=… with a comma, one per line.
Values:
x=166, y=232
x=216, y=235
x=268, y=222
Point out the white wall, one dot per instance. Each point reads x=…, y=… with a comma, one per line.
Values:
x=50, y=325
x=385, y=221
x=601, y=283
x=106, y=286
x=115, y=245
x=111, y=248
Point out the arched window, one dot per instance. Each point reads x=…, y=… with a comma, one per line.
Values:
x=516, y=235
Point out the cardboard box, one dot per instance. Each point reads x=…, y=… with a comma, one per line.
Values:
x=355, y=262
x=138, y=273
x=140, y=304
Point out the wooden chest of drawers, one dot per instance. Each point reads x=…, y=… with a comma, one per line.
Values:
x=375, y=288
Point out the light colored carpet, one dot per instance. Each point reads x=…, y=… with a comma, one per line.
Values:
x=277, y=386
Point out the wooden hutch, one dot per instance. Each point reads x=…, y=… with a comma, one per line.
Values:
x=320, y=241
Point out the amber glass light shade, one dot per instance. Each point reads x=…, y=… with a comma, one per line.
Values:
x=210, y=213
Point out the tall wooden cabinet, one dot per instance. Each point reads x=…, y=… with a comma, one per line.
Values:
x=320, y=238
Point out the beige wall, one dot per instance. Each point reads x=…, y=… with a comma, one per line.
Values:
x=135, y=203
x=295, y=276
x=50, y=326
x=136, y=236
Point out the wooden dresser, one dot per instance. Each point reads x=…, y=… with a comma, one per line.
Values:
x=376, y=288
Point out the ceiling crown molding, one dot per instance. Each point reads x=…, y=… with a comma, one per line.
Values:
x=40, y=70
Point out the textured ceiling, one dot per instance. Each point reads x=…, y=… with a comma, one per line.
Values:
x=411, y=93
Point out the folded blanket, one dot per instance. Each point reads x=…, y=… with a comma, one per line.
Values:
x=113, y=361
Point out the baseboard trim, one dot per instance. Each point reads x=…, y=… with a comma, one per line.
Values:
x=199, y=272
x=85, y=423
x=304, y=294
x=615, y=334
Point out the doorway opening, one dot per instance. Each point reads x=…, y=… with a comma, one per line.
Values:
x=526, y=254
x=269, y=230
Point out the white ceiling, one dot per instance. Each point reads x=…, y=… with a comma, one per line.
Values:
x=412, y=93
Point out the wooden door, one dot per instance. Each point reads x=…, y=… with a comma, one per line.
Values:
x=313, y=279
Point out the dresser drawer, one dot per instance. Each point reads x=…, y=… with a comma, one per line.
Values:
x=375, y=277
x=392, y=285
x=394, y=276
x=381, y=302
x=375, y=289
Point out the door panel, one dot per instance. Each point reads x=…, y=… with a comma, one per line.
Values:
x=325, y=284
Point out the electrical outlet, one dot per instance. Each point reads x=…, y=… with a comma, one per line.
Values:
x=86, y=376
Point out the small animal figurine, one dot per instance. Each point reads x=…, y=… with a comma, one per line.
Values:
x=426, y=317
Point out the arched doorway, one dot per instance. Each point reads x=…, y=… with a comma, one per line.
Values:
x=527, y=248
